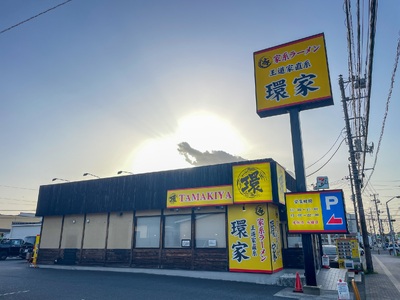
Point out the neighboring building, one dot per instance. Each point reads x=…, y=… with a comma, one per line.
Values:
x=7, y=220
x=221, y=217
x=20, y=230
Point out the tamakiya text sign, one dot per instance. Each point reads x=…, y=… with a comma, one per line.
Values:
x=292, y=75
x=206, y=196
x=316, y=212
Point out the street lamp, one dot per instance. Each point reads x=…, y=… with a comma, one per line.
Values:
x=126, y=172
x=54, y=179
x=86, y=174
x=390, y=224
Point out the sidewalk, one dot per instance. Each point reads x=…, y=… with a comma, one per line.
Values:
x=379, y=286
x=382, y=285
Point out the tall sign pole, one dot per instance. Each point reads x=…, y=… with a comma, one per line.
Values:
x=290, y=78
x=301, y=186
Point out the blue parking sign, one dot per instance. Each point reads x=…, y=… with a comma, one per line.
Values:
x=333, y=211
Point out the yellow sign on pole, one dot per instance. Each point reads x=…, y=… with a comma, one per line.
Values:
x=316, y=212
x=292, y=75
x=304, y=212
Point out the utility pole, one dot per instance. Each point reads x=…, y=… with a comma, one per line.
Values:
x=379, y=220
x=353, y=198
x=372, y=221
x=357, y=181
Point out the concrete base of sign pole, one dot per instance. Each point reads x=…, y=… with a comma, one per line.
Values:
x=312, y=290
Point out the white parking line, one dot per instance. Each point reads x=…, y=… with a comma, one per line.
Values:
x=387, y=272
x=13, y=293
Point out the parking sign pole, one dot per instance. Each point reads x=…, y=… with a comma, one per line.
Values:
x=308, y=249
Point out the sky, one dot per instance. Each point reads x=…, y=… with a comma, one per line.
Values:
x=102, y=86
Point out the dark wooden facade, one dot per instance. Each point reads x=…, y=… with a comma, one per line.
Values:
x=183, y=259
x=141, y=192
x=134, y=192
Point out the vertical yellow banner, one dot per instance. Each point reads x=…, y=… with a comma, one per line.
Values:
x=252, y=183
x=281, y=180
x=275, y=238
x=249, y=246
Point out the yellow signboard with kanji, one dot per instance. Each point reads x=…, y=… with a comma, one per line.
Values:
x=275, y=237
x=206, y=196
x=254, y=238
x=252, y=183
x=316, y=212
x=281, y=183
x=292, y=75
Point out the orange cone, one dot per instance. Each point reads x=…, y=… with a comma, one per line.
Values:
x=297, y=286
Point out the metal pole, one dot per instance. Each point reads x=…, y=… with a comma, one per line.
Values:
x=357, y=181
x=373, y=226
x=307, y=241
x=391, y=229
x=353, y=198
x=390, y=225
x=379, y=221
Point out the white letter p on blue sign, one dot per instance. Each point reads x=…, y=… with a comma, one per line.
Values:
x=331, y=201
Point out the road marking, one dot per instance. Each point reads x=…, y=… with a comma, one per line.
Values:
x=387, y=272
x=13, y=293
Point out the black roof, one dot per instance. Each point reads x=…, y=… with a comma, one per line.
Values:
x=133, y=192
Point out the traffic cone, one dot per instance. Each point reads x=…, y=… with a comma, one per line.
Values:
x=297, y=286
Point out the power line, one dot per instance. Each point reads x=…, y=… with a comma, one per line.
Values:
x=17, y=209
x=387, y=107
x=328, y=150
x=328, y=159
x=17, y=187
x=31, y=18
x=15, y=199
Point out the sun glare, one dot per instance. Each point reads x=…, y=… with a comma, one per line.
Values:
x=156, y=155
x=207, y=132
x=202, y=131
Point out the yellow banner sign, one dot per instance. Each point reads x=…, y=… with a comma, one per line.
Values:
x=254, y=238
x=252, y=183
x=207, y=196
x=281, y=180
x=304, y=212
x=291, y=75
x=275, y=237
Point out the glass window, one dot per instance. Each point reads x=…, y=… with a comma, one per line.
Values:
x=177, y=228
x=294, y=241
x=210, y=231
x=15, y=242
x=147, y=232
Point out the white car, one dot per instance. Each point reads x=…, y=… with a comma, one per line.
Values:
x=390, y=247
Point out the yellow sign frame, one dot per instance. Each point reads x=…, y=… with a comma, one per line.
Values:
x=292, y=75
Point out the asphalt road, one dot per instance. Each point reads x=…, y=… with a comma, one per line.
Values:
x=19, y=281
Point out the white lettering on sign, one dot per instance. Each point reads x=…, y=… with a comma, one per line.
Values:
x=330, y=201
